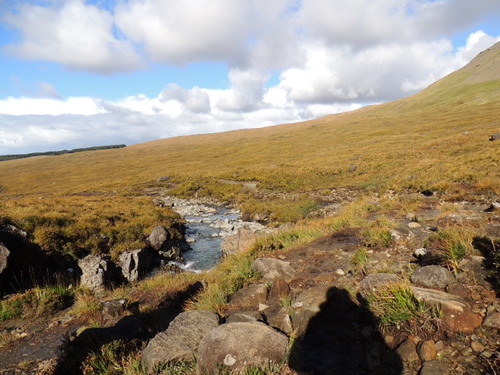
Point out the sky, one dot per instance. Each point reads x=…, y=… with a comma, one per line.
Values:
x=76, y=73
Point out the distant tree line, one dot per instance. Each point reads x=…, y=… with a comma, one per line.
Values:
x=61, y=152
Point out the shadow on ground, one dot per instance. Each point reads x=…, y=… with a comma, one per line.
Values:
x=131, y=328
x=343, y=338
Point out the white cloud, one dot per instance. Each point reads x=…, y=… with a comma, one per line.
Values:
x=178, y=32
x=75, y=34
x=51, y=107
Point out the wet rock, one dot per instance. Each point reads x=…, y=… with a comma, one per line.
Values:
x=134, y=264
x=249, y=298
x=241, y=241
x=427, y=350
x=435, y=367
x=181, y=339
x=435, y=277
x=271, y=269
x=4, y=257
x=376, y=280
x=236, y=346
x=455, y=312
x=97, y=273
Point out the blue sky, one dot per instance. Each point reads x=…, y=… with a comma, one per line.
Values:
x=78, y=73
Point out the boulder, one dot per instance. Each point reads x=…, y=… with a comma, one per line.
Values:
x=271, y=269
x=181, y=339
x=279, y=289
x=494, y=136
x=4, y=257
x=97, y=273
x=407, y=351
x=161, y=240
x=249, y=298
x=455, y=312
x=461, y=218
x=279, y=318
x=306, y=305
x=134, y=264
x=236, y=346
x=113, y=308
x=435, y=367
x=244, y=316
x=241, y=241
x=435, y=277
x=376, y=280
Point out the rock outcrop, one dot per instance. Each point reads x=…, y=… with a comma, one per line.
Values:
x=135, y=264
x=97, y=272
x=271, y=269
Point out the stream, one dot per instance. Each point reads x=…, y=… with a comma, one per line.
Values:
x=207, y=224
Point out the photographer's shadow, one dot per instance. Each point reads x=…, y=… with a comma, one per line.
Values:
x=342, y=338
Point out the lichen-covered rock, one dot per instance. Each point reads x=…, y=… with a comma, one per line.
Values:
x=241, y=241
x=236, y=346
x=434, y=276
x=271, y=269
x=181, y=339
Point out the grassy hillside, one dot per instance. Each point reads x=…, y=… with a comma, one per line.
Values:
x=436, y=139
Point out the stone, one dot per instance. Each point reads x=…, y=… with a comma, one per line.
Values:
x=494, y=137
x=455, y=312
x=241, y=241
x=134, y=264
x=492, y=230
x=435, y=367
x=244, y=316
x=113, y=308
x=376, y=280
x=249, y=298
x=492, y=320
x=407, y=350
x=477, y=346
x=427, y=350
x=279, y=318
x=272, y=268
x=279, y=289
x=460, y=219
x=413, y=225
x=4, y=257
x=236, y=346
x=180, y=341
x=435, y=277
x=457, y=289
x=97, y=273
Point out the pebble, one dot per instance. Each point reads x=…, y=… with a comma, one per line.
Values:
x=477, y=346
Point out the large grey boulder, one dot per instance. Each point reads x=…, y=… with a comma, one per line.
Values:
x=271, y=269
x=161, y=241
x=435, y=277
x=134, y=264
x=97, y=272
x=4, y=257
x=181, y=339
x=374, y=281
x=236, y=346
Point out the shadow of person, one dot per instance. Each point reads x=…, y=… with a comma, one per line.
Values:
x=342, y=338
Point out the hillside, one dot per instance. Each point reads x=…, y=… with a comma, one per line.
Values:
x=377, y=253
x=437, y=139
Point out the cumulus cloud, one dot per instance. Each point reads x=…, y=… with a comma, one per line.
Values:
x=73, y=33
x=185, y=31
x=287, y=60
